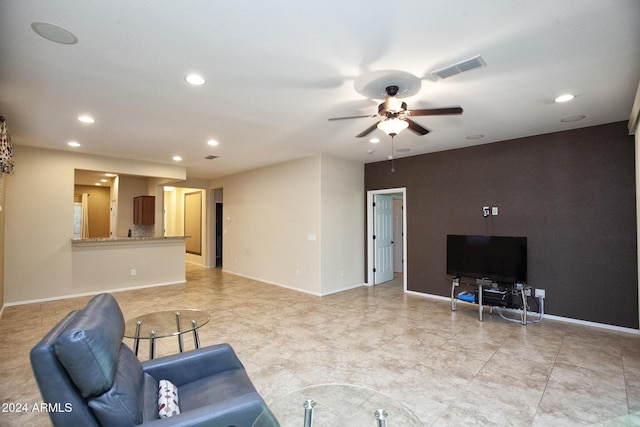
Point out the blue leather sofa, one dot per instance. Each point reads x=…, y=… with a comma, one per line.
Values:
x=89, y=377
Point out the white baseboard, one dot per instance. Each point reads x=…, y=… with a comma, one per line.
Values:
x=546, y=316
x=84, y=294
x=317, y=294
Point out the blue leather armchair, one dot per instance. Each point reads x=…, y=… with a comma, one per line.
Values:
x=91, y=378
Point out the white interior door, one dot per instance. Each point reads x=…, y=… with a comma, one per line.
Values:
x=398, y=253
x=383, y=238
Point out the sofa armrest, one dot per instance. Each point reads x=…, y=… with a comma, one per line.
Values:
x=183, y=368
x=237, y=411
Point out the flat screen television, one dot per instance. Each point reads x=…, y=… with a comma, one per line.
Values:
x=502, y=259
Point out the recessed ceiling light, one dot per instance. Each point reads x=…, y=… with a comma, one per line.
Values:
x=212, y=142
x=97, y=184
x=564, y=98
x=54, y=33
x=73, y=144
x=104, y=180
x=169, y=188
x=86, y=119
x=195, y=79
x=471, y=137
x=374, y=140
x=110, y=174
x=177, y=158
x=573, y=119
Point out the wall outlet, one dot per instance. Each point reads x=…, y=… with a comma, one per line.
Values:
x=540, y=293
x=494, y=211
x=297, y=272
x=485, y=211
x=133, y=272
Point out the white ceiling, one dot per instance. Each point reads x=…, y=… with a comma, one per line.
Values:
x=277, y=70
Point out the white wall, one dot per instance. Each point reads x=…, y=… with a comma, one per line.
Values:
x=269, y=214
x=156, y=263
x=39, y=220
x=342, y=223
x=298, y=224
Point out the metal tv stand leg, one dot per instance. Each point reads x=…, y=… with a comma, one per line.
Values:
x=524, y=306
x=454, y=283
x=480, y=302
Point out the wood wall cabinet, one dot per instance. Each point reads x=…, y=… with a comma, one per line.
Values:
x=144, y=210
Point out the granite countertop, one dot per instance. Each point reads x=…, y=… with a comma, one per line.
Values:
x=127, y=239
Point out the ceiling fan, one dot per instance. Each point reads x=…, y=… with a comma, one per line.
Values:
x=395, y=115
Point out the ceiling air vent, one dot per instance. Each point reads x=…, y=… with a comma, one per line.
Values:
x=211, y=157
x=460, y=67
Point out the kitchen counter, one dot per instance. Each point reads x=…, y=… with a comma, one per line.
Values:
x=117, y=263
x=100, y=241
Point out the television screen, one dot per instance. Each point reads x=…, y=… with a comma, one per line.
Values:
x=499, y=258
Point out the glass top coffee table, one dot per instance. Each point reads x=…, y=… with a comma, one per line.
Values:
x=337, y=405
x=161, y=324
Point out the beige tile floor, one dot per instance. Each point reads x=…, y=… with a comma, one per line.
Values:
x=447, y=367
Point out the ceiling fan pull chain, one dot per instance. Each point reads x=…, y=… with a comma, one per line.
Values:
x=393, y=169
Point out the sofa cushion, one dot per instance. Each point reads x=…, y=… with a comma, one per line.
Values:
x=89, y=346
x=122, y=404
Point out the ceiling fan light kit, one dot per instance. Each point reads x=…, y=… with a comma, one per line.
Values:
x=392, y=126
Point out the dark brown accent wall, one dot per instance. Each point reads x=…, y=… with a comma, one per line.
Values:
x=572, y=194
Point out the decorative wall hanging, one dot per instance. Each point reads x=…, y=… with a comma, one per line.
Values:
x=6, y=149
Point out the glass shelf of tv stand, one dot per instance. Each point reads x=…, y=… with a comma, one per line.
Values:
x=482, y=284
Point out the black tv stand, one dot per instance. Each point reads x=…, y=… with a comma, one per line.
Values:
x=493, y=296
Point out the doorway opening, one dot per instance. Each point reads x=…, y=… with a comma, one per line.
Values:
x=216, y=225
x=386, y=236
x=218, y=234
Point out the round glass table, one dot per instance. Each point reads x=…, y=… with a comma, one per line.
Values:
x=161, y=324
x=337, y=405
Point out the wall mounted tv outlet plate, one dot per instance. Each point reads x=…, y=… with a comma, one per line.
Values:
x=485, y=211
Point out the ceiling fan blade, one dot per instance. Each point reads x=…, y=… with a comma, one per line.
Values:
x=416, y=128
x=352, y=117
x=435, y=111
x=367, y=131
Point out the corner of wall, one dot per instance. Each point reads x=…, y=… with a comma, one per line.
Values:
x=2, y=209
x=637, y=152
